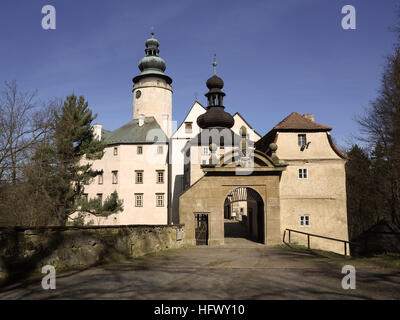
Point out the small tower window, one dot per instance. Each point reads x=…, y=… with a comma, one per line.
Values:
x=139, y=150
x=115, y=151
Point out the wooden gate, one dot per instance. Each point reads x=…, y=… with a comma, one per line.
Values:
x=201, y=230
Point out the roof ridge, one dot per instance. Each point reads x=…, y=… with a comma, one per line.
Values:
x=297, y=121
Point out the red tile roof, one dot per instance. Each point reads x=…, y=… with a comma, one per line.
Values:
x=296, y=121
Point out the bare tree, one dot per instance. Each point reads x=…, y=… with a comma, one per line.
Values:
x=25, y=126
x=381, y=128
x=21, y=126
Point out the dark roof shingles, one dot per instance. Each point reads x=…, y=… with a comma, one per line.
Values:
x=296, y=121
x=133, y=133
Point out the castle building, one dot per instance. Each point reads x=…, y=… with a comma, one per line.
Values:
x=215, y=168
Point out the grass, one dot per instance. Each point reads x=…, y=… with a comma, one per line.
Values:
x=387, y=261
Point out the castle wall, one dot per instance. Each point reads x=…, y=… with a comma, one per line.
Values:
x=127, y=162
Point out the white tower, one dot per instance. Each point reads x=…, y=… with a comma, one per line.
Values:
x=152, y=91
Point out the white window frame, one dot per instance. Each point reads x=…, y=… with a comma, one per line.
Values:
x=138, y=199
x=159, y=196
x=302, y=171
x=302, y=220
x=139, y=173
x=160, y=172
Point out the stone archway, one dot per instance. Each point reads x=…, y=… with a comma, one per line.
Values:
x=244, y=215
x=207, y=195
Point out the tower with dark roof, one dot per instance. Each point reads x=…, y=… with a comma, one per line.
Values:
x=215, y=117
x=152, y=91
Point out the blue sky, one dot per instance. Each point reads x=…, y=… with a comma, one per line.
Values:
x=275, y=57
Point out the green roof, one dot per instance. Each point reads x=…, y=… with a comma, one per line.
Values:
x=135, y=134
x=105, y=133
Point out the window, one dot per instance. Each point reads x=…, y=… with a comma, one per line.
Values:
x=139, y=150
x=138, y=199
x=100, y=179
x=188, y=127
x=301, y=140
x=160, y=199
x=160, y=176
x=304, y=220
x=139, y=176
x=114, y=177
x=303, y=173
x=205, y=151
x=160, y=149
x=115, y=151
x=100, y=196
x=203, y=161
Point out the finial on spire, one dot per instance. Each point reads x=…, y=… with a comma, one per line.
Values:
x=152, y=31
x=215, y=63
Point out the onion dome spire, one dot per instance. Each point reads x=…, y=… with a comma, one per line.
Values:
x=215, y=116
x=152, y=64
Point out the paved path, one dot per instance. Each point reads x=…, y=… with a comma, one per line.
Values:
x=239, y=270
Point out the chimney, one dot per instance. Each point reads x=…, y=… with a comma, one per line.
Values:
x=141, y=120
x=97, y=130
x=309, y=116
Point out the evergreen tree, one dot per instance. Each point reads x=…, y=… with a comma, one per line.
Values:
x=68, y=162
x=361, y=206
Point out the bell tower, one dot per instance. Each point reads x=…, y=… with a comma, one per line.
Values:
x=152, y=90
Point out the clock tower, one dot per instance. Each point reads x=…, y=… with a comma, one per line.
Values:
x=152, y=90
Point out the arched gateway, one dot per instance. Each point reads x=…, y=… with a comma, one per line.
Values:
x=202, y=207
x=233, y=164
x=243, y=214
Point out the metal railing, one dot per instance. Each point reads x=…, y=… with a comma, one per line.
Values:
x=345, y=242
